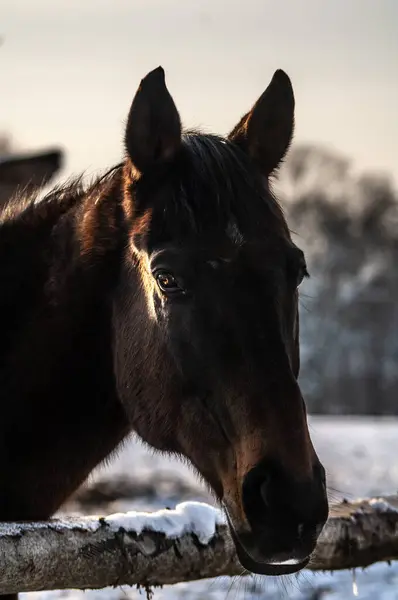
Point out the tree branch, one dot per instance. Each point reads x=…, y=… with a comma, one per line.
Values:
x=191, y=542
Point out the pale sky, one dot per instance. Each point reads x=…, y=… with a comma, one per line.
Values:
x=70, y=68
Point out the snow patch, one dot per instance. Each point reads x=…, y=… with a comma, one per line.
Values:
x=188, y=517
x=381, y=505
x=17, y=529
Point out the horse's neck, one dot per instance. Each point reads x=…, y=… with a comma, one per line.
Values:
x=25, y=251
x=60, y=412
x=54, y=298
x=41, y=270
x=41, y=243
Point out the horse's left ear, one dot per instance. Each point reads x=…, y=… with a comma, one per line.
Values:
x=266, y=131
x=153, y=132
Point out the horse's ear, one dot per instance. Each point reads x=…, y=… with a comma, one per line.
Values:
x=266, y=131
x=153, y=131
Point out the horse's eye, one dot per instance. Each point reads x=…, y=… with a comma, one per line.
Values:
x=302, y=274
x=167, y=282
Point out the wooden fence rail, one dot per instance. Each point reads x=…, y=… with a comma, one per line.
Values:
x=188, y=543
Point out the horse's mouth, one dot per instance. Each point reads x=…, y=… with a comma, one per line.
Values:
x=269, y=568
x=266, y=567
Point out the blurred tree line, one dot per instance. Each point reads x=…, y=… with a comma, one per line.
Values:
x=348, y=226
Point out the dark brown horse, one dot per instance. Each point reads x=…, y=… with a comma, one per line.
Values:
x=163, y=299
x=27, y=172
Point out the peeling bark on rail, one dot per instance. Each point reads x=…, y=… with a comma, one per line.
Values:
x=92, y=552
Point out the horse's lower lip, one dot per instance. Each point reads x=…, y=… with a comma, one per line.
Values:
x=269, y=568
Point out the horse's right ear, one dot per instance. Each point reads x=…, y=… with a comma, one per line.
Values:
x=153, y=132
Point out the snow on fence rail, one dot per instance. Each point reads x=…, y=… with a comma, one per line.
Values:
x=169, y=546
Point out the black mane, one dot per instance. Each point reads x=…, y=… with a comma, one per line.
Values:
x=208, y=183
x=29, y=206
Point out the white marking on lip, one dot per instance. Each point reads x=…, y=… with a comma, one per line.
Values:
x=290, y=561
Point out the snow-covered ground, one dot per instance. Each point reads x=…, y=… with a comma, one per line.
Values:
x=360, y=457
